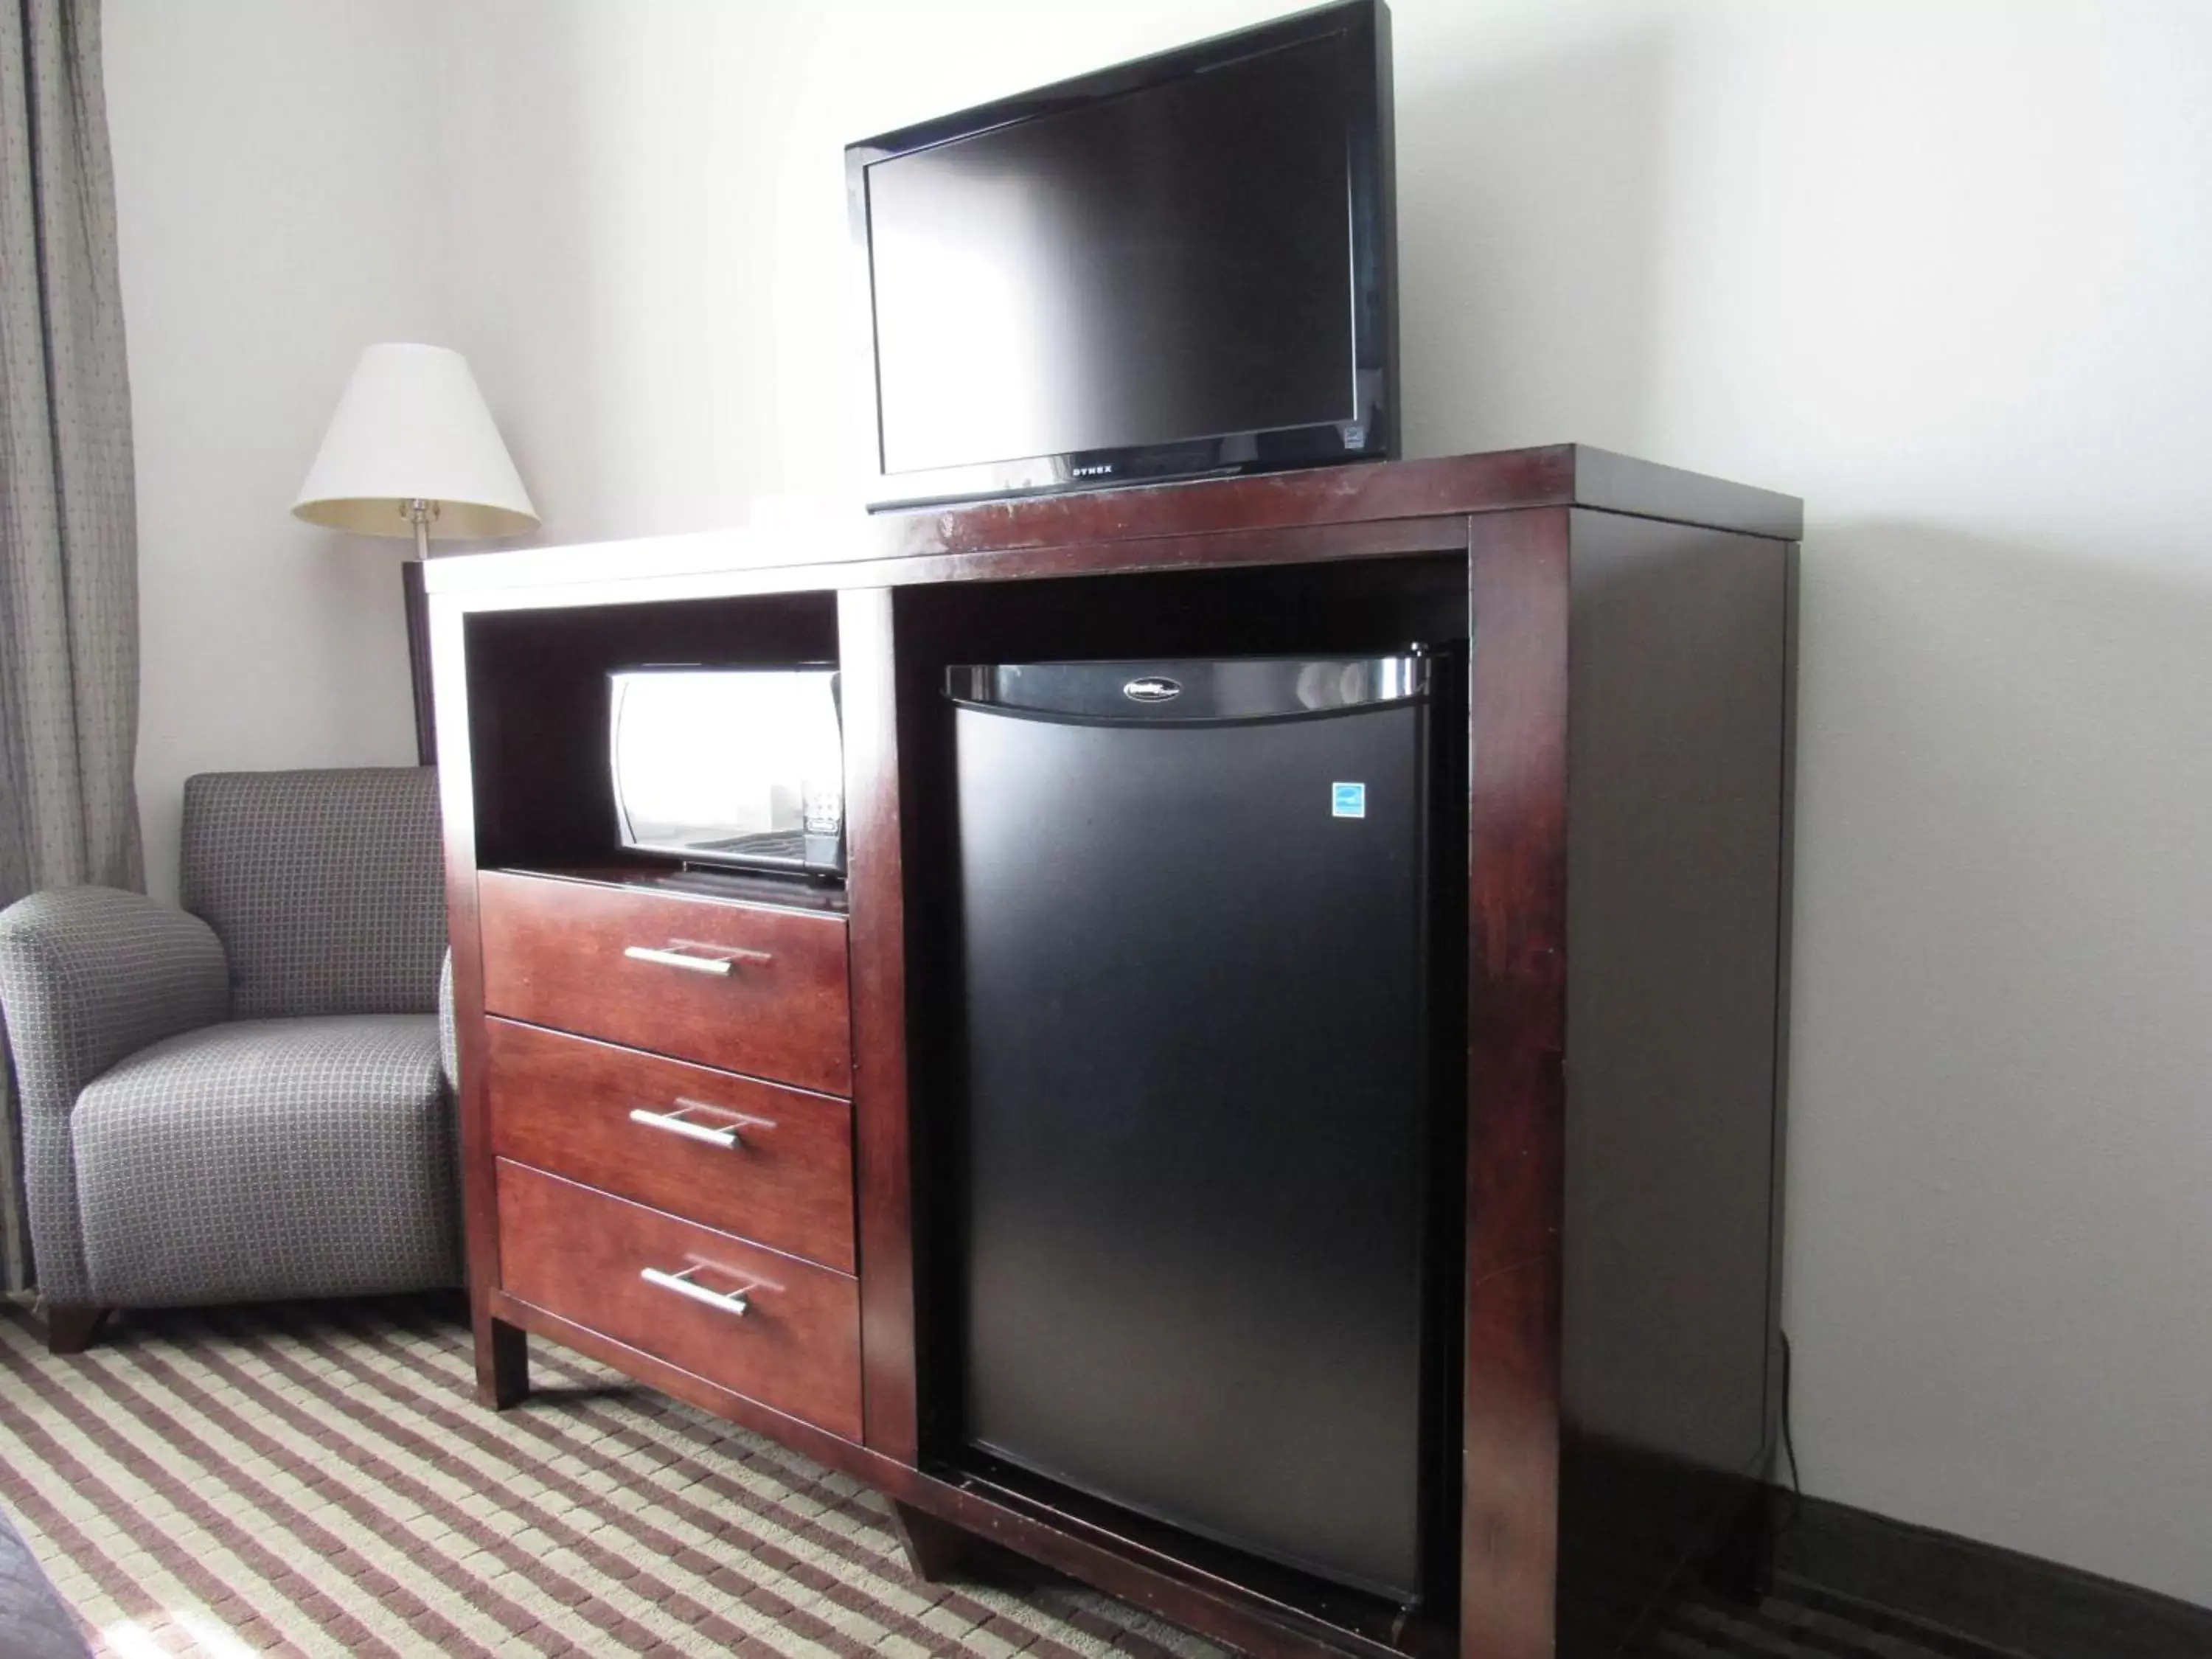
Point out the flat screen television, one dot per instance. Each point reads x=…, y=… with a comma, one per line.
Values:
x=1180, y=267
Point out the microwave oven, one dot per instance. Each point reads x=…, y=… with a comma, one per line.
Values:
x=740, y=768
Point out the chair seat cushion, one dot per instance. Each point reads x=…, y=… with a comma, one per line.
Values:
x=267, y=1158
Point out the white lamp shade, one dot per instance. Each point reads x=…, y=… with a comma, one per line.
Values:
x=411, y=426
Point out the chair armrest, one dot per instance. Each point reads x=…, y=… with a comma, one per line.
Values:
x=90, y=975
x=449, y=1040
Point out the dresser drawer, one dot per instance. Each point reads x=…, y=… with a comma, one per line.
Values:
x=744, y=987
x=586, y=1256
x=769, y=1163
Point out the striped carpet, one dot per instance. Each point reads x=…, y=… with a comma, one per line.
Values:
x=318, y=1480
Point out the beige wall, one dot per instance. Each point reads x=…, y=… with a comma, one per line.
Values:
x=274, y=184
x=1941, y=269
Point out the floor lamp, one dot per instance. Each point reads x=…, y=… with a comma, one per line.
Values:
x=413, y=451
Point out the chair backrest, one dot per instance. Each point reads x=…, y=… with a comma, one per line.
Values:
x=327, y=889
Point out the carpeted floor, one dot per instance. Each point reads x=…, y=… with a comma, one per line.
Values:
x=318, y=1480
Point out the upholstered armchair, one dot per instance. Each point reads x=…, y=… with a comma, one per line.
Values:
x=241, y=1100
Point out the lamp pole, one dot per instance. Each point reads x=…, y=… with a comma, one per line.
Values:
x=419, y=513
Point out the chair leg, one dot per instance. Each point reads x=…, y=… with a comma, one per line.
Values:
x=71, y=1330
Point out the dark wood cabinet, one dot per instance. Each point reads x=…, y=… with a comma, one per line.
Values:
x=1627, y=631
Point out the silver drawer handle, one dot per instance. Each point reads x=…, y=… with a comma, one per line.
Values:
x=725, y=1138
x=719, y=966
x=730, y=1302
x=686, y=957
x=677, y=1124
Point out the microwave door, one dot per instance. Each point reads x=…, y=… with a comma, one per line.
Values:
x=716, y=766
x=822, y=808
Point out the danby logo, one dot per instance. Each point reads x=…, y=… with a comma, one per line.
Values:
x=1150, y=688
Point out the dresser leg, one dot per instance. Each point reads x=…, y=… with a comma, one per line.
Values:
x=935, y=1550
x=1741, y=1567
x=938, y=1553
x=503, y=1364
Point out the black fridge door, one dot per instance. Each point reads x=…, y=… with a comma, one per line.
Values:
x=1193, y=976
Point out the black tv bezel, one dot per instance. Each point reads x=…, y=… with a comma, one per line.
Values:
x=1371, y=181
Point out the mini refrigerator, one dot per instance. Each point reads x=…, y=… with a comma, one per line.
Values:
x=1194, y=1109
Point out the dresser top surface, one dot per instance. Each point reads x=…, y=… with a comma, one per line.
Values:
x=855, y=549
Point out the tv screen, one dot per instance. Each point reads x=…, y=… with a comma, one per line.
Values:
x=1177, y=267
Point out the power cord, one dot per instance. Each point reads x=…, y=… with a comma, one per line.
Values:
x=1789, y=1439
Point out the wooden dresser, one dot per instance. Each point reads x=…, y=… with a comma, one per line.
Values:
x=705, y=1117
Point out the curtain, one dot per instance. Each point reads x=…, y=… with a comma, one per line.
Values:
x=69, y=559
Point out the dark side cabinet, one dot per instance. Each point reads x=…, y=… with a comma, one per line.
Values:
x=1604, y=895
x=1193, y=904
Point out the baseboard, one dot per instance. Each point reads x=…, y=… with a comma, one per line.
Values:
x=2013, y=1602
